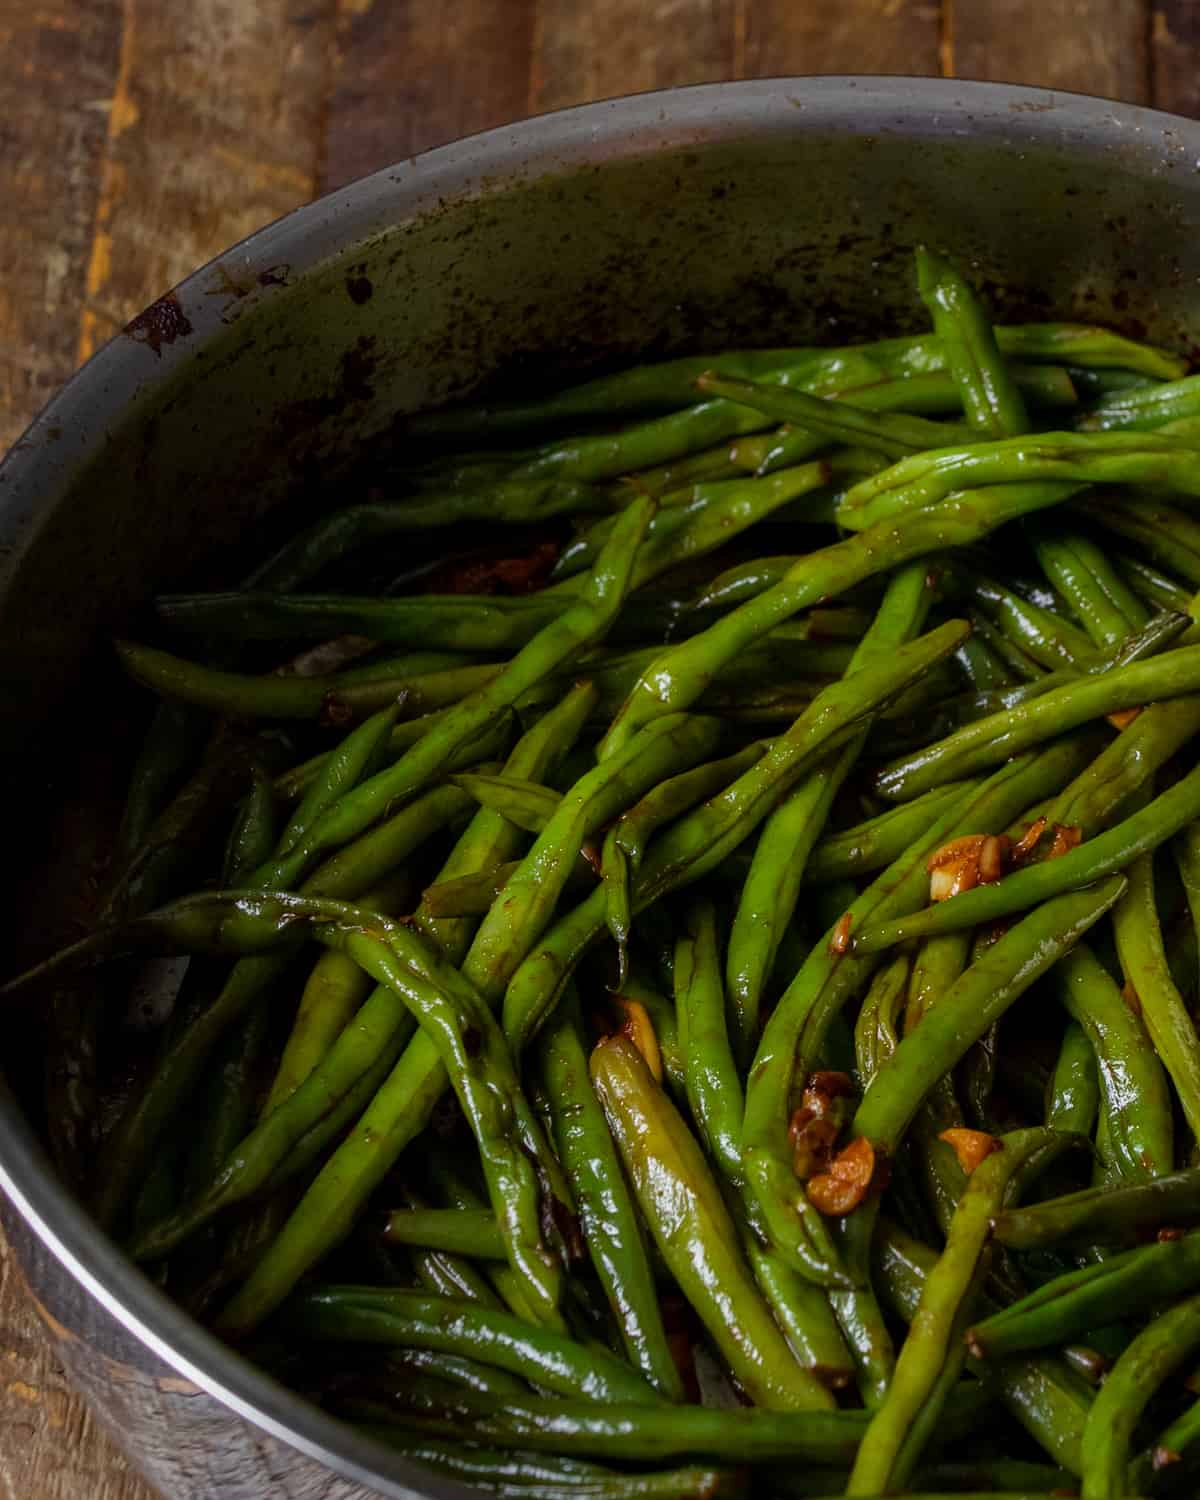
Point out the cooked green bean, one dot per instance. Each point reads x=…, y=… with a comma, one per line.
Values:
x=677, y=678
x=1155, y=1353
x=1075, y=1087
x=1070, y=1306
x=402, y=1319
x=621, y=1432
x=1104, y=1215
x=692, y=1229
x=1134, y=1089
x=1091, y=861
x=932, y=1356
x=610, y=1224
x=1144, y=961
x=1061, y=458
x=990, y=397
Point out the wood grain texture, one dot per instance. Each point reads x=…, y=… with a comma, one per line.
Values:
x=851, y=36
x=1094, y=46
x=214, y=130
x=50, y=1449
x=592, y=49
x=1175, y=55
x=407, y=78
x=60, y=59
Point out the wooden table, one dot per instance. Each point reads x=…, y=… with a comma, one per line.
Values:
x=140, y=137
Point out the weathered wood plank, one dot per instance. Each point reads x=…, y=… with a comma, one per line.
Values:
x=214, y=130
x=592, y=49
x=50, y=1449
x=408, y=77
x=1175, y=55
x=60, y=59
x=1095, y=46
x=853, y=36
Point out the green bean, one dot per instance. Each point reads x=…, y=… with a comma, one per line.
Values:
x=450, y=1275
x=1166, y=534
x=525, y=803
x=1063, y=458
x=184, y=1056
x=1002, y=1475
x=530, y=1476
x=1154, y=587
x=1114, y=850
x=1081, y=573
x=670, y=385
x=1175, y=1443
x=1144, y=961
x=803, y=1313
x=769, y=894
x=453, y=622
x=623, y=1432
x=504, y=501
x=252, y=1163
x=876, y=1031
x=986, y=742
x=714, y=1090
x=1144, y=407
x=933, y=393
x=679, y=677
x=1104, y=1215
x=1158, y=1350
x=670, y=480
x=711, y=515
x=226, y=1102
x=1070, y=1306
x=525, y=905
x=253, y=834
x=457, y=1231
x=610, y=1223
x=664, y=1020
x=468, y=895
x=586, y=621
x=1137, y=1101
x=990, y=396
x=1075, y=1088
x=333, y=992
x=625, y=842
x=1186, y=848
x=1050, y=641
x=796, y=1029
x=450, y=1180
x=745, y=581
x=461, y=1370
x=168, y=750
x=1049, y=1402
x=891, y=433
x=963, y=1013
x=932, y=1356
x=373, y=1315
x=698, y=842
x=329, y=698
x=939, y=963
x=874, y=844
x=413, y=1086
x=694, y=1233
x=470, y=1047
x=1009, y=662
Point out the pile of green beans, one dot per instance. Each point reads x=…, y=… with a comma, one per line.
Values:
x=701, y=998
